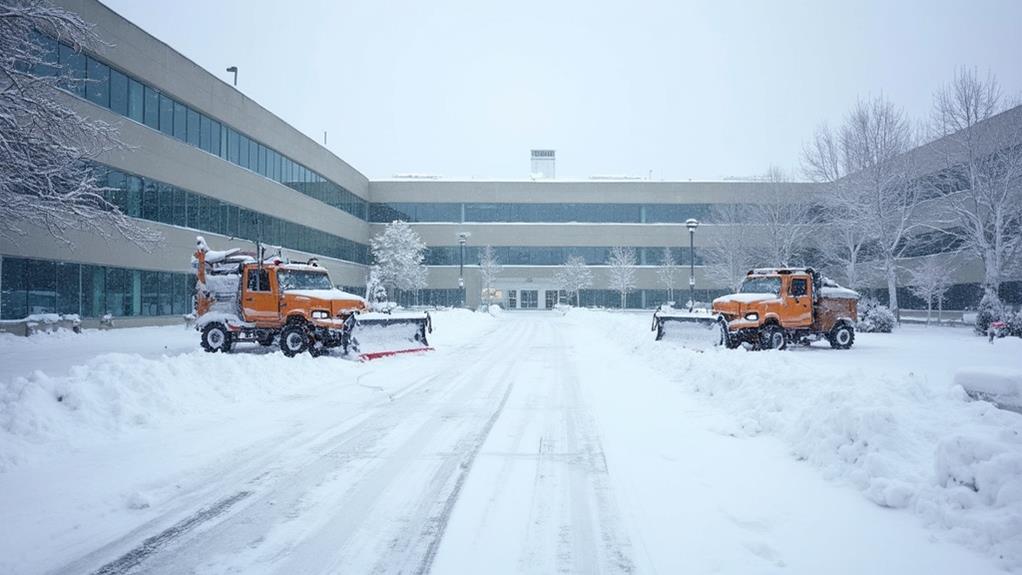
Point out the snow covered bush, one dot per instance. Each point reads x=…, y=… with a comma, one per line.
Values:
x=990, y=310
x=1014, y=321
x=874, y=317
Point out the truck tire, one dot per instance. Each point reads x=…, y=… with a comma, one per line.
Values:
x=216, y=337
x=842, y=336
x=317, y=349
x=294, y=340
x=772, y=337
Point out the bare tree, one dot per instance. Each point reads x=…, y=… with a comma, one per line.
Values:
x=788, y=219
x=574, y=276
x=876, y=196
x=981, y=197
x=46, y=148
x=930, y=281
x=667, y=273
x=489, y=269
x=729, y=253
x=842, y=237
x=621, y=267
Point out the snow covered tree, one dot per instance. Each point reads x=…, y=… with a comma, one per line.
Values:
x=667, y=273
x=489, y=269
x=981, y=194
x=729, y=252
x=842, y=237
x=930, y=281
x=871, y=191
x=990, y=310
x=375, y=292
x=621, y=268
x=788, y=218
x=574, y=276
x=398, y=253
x=47, y=148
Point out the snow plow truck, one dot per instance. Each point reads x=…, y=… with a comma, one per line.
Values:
x=773, y=308
x=242, y=298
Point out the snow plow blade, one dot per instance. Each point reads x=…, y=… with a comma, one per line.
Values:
x=696, y=330
x=376, y=335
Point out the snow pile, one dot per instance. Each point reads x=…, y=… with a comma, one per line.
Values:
x=494, y=310
x=888, y=421
x=115, y=393
x=1002, y=386
x=165, y=381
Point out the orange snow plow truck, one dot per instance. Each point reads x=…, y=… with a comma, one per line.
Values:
x=240, y=298
x=773, y=308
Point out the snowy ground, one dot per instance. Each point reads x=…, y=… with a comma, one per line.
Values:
x=529, y=442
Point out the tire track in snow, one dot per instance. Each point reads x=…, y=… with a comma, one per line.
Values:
x=327, y=450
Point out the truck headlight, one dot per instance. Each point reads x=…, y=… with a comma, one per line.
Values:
x=752, y=316
x=320, y=314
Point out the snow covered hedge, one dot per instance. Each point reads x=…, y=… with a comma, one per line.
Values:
x=874, y=317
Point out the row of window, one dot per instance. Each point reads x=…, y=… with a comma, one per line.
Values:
x=159, y=202
x=537, y=213
x=110, y=88
x=552, y=256
x=30, y=286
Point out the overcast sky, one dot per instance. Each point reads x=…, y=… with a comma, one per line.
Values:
x=687, y=90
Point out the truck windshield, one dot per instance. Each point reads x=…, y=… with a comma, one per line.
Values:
x=761, y=285
x=294, y=280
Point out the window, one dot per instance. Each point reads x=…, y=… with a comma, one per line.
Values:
x=118, y=92
x=74, y=64
x=258, y=280
x=166, y=115
x=136, y=101
x=97, y=88
x=180, y=121
x=134, y=200
x=798, y=287
x=151, y=114
x=205, y=134
x=214, y=138
x=232, y=146
x=193, y=127
x=151, y=203
x=242, y=151
x=764, y=285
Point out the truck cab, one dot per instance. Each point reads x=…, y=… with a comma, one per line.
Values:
x=276, y=293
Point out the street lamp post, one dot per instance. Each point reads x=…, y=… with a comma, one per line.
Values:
x=691, y=224
x=462, y=238
x=235, y=70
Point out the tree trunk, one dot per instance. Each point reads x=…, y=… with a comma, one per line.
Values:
x=929, y=309
x=623, y=300
x=892, y=290
x=992, y=274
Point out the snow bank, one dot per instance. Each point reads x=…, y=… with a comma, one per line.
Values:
x=165, y=381
x=888, y=421
x=1003, y=387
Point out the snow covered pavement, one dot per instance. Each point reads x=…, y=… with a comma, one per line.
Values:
x=530, y=442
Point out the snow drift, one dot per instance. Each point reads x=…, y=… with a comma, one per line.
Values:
x=884, y=417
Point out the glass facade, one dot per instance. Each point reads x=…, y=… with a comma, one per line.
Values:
x=537, y=213
x=149, y=199
x=551, y=255
x=123, y=94
x=29, y=286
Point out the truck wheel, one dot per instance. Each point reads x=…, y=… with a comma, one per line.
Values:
x=316, y=349
x=294, y=340
x=772, y=337
x=215, y=337
x=842, y=336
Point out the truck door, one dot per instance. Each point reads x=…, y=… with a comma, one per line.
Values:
x=799, y=303
x=259, y=302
